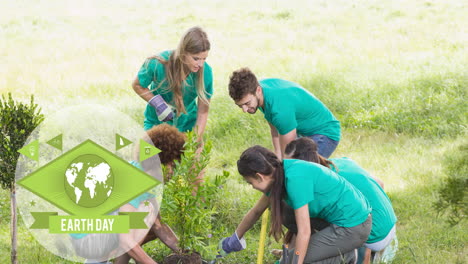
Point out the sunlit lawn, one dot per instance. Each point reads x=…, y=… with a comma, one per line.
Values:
x=393, y=72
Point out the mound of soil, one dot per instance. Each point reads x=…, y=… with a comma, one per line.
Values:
x=193, y=258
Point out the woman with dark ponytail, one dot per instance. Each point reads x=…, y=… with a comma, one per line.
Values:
x=312, y=191
x=383, y=231
x=261, y=163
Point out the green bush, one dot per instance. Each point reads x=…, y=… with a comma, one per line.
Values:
x=17, y=121
x=189, y=205
x=452, y=194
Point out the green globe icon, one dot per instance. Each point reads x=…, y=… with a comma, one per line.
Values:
x=89, y=180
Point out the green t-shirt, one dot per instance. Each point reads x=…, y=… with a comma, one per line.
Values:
x=383, y=216
x=329, y=196
x=288, y=106
x=144, y=196
x=152, y=75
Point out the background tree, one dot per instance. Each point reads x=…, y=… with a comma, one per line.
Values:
x=17, y=122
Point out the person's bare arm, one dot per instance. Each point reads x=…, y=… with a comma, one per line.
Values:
x=303, y=232
x=367, y=257
x=136, y=252
x=202, y=117
x=165, y=234
x=379, y=181
x=252, y=216
x=284, y=140
x=143, y=92
x=140, y=256
x=275, y=140
x=131, y=242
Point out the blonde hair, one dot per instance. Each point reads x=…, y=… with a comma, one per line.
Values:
x=194, y=41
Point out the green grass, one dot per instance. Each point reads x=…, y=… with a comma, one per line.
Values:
x=393, y=72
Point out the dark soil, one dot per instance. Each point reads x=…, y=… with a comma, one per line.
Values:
x=193, y=258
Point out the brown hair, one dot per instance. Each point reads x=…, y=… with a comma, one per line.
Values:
x=306, y=149
x=241, y=83
x=258, y=159
x=169, y=140
x=194, y=41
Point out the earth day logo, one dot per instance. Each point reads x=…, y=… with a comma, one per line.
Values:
x=77, y=182
x=89, y=180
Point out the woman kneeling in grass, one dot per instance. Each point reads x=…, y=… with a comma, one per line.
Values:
x=383, y=217
x=312, y=191
x=98, y=248
x=171, y=143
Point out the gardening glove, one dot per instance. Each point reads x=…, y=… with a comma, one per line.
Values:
x=231, y=244
x=163, y=110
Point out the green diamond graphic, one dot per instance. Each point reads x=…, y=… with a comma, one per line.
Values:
x=88, y=180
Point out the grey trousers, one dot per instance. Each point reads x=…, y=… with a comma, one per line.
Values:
x=332, y=244
x=347, y=258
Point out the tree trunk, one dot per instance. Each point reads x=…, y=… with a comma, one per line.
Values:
x=13, y=224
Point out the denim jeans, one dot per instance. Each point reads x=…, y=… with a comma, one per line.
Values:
x=325, y=145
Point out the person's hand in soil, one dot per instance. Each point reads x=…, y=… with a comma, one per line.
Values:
x=165, y=234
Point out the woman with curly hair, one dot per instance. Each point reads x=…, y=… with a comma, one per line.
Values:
x=171, y=143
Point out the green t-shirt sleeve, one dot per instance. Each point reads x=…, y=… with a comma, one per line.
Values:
x=283, y=118
x=208, y=80
x=142, y=197
x=147, y=72
x=299, y=188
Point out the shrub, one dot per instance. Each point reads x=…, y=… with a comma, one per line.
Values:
x=17, y=121
x=188, y=205
x=452, y=194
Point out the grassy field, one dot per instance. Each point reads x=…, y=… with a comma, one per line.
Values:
x=394, y=73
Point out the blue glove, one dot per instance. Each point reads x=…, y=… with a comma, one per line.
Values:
x=231, y=244
x=163, y=110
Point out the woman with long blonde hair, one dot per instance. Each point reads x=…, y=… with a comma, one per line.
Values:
x=178, y=84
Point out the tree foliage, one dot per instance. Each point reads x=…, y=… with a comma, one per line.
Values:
x=188, y=204
x=17, y=122
x=452, y=194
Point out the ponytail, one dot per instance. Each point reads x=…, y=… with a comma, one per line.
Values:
x=258, y=159
x=276, y=197
x=306, y=149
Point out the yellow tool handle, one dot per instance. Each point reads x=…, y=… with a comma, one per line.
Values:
x=261, y=245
